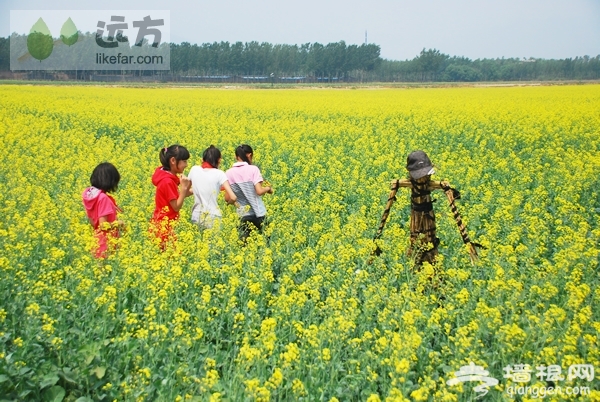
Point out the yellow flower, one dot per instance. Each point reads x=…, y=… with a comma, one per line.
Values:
x=282, y=305
x=298, y=387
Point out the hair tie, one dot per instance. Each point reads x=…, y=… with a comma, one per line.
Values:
x=166, y=149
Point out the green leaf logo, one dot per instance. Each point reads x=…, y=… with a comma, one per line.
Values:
x=39, y=41
x=68, y=33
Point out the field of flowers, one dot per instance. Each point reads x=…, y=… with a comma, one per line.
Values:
x=299, y=314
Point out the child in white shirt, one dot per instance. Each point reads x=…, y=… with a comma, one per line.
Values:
x=207, y=182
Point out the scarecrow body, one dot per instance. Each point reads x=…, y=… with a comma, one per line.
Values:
x=423, y=239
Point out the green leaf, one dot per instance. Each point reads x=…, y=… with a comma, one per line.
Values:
x=39, y=46
x=39, y=41
x=99, y=371
x=445, y=368
x=90, y=351
x=68, y=33
x=68, y=375
x=3, y=378
x=89, y=359
x=54, y=394
x=48, y=380
x=84, y=399
x=75, y=331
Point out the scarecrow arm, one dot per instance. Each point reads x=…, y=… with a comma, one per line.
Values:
x=452, y=194
x=395, y=185
x=439, y=185
x=400, y=183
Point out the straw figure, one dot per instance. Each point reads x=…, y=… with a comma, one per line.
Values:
x=423, y=240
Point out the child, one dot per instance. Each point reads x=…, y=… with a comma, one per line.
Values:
x=207, y=181
x=247, y=184
x=171, y=191
x=101, y=208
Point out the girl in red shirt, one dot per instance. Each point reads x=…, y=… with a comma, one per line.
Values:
x=171, y=191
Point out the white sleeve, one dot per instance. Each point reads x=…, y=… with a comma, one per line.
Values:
x=222, y=177
x=192, y=172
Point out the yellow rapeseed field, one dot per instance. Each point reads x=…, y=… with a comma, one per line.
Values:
x=299, y=313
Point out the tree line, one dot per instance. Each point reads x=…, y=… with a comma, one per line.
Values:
x=333, y=60
x=341, y=62
x=432, y=65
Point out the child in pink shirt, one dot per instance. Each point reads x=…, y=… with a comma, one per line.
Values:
x=102, y=209
x=246, y=181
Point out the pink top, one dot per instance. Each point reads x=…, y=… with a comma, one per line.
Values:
x=97, y=204
x=242, y=179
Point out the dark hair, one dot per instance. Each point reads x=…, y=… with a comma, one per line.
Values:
x=179, y=152
x=241, y=152
x=105, y=177
x=212, y=156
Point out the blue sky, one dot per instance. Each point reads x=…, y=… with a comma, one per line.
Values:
x=551, y=29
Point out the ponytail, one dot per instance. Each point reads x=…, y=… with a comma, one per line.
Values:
x=242, y=151
x=211, y=156
x=180, y=153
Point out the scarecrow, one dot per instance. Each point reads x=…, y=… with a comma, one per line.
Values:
x=423, y=240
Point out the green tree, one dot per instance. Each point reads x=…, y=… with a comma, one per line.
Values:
x=316, y=61
x=4, y=54
x=431, y=63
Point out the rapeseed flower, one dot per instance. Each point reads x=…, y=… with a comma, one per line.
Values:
x=298, y=312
